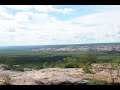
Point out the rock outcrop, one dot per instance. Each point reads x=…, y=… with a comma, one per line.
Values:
x=49, y=76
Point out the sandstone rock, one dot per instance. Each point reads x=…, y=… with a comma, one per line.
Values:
x=2, y=66
x=61, y=80
x=2, y=81
x=49, y=76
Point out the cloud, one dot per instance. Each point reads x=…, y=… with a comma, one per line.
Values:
x=20, y=7
x=41, y=8
x=48, y=8
x=99, y=18
x=2, y=9
x=29, y=28
x=107, y=8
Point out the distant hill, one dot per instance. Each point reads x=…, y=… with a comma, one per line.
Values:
x=68, y=47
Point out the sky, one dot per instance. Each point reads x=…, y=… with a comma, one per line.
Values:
x=59, y=24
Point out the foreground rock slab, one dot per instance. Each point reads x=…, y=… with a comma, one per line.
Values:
x=49, y=76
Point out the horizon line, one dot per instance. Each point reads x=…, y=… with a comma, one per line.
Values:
x=61, y=44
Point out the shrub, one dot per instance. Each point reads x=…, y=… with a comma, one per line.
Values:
x=18, y=68
x=88, y=58
x=45, y=65
x=7, y=68
x=86, y=68
x=96, y=82
x=70, y=65
x=7, y=80
x=9, y=61
x=38, y=67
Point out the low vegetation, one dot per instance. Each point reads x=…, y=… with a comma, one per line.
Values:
x=18, y=61
x=7, y=80
x=42, y=60
x=97, y=82
x=87, y=68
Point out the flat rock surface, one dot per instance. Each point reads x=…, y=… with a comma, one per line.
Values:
x=49, y=76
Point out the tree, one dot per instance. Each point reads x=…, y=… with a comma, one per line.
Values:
x=9, y=61
x=57, y=63
x=70, y=62
x=113, y=76
x=87, y=58
x=115, y=64
x=45, y=65
x=87, y=68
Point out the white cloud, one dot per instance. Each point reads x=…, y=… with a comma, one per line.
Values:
x=3, y=14
x=2, y=9
x=107, y=8
x=48, y=8
x=41, y=8
x=26, y=28
x=20, y=7
x=99, y=18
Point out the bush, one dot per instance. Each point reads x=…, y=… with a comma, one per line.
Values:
x=88, y=58
x=7, y=68
x=86, y=68
x=96, y=82
x=70, y=65
x=37, y=67
x=20, y=68
x=114, y=66
x=7, y=80
x=9, y=61
x=45, y=65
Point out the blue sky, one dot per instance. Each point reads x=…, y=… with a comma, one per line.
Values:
x=59, y=24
